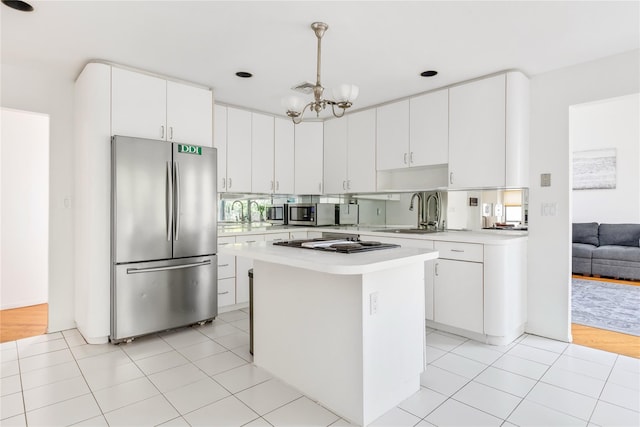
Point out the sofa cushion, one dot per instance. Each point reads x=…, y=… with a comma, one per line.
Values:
x=619, y=253
x=585, y=232
x=619, y=234
x=581, y=250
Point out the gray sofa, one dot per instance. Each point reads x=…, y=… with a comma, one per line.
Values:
x=608, y=250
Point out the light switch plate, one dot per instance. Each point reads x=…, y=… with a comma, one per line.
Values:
x=545, y=180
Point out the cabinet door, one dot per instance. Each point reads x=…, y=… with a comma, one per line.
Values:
x=226, y=292
x=262, y=154
x=138, y=105
x=392, y=129
x=361, y=152
x=477, y=134
x=429, y=129
x=335, y=156
x=283, y=158
x=220, y=143
x=308, y=158
x=189, y=114
x=238, y=150
x=458, y=294
x=243, y=265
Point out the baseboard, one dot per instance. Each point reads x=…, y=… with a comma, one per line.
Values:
x=21, y=304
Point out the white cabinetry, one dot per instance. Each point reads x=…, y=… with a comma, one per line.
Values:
x=262, y=149
x=243, y=265
x=392, y=130
x=226, y=275
x=488, y=132
x=350, y=153
x=220, y=143
x=429, y=129
x=145, y=106
x=283, y=170
x=308, y=158
x=238, y=150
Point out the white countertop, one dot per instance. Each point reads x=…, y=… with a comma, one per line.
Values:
x=330, y=262
x=487, y=237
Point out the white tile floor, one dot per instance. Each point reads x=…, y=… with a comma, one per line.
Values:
x=203, y=376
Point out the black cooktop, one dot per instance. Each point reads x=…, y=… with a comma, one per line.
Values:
x=336, y=245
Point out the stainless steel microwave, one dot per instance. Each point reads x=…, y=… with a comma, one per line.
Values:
x=312, y=214
x=277, y=214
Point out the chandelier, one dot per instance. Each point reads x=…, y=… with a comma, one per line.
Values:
x=343, y=95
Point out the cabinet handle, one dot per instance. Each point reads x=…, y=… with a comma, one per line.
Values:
x=250, y=241
x=411, y=158
x=404, y=159
x=230, y=182
x=277, y=185
x=436, y=269
x=272, y=186
x=223, y=244
x=223, y=293
x=320, y=187
x=348, y=185
x=224, y=182
x=161, y=132
x=450, y=177
x=223, y=265
x=170, y=132
x=457, y=250
x=344, y=185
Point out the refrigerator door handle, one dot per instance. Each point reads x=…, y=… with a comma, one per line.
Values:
x=169, y=201
x=169, y=267
x=176, y=206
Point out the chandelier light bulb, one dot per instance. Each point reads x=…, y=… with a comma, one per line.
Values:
x=345, y=93
x=293, y=103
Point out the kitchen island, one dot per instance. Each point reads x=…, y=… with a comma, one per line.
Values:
x=347, y=330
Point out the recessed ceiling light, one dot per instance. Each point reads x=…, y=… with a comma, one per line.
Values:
x=244, y=74
x=429, y=73
x=18, y=5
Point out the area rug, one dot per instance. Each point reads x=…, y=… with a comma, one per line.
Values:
x=604, y=305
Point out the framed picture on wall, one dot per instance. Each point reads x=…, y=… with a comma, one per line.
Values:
x=594, y=169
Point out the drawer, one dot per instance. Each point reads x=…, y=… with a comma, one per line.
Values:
x=226, y=241
x=226, y=292
x=276, y=237
x=460, y=251
x=249, y=238
x=226, y=266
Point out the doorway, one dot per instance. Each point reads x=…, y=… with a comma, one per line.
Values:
x=602, y=133
x=24, y=223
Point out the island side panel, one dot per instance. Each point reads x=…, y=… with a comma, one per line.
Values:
x=308, y=333
x=393, y=337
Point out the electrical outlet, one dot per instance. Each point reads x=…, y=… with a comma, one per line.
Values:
x=373, y=303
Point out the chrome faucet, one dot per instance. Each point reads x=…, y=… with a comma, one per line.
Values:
x=433, y=223
x=421, y=222
x=233, y=205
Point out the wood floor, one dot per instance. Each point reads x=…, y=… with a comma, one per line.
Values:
x=30, y=321
x=23, y=322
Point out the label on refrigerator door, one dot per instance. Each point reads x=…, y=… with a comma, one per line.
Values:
x=190, y=149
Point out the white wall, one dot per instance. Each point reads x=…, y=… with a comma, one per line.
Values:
x=612, y=123
x=552, y=94
x=45, y=91
x=25, y=208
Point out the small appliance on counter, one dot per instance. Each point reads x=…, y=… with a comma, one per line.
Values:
x=347, y=214
x=277, y=214
x=312, y=214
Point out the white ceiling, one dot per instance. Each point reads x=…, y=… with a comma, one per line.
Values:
x=380, y=46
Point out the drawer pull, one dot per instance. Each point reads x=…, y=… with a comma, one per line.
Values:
x=223, y=244
x=250, y=241
x=223, y=293
x=223, y=265
x=457, y=250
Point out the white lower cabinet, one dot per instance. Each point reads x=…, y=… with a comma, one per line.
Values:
x=226, y=274
x=243, y=265
x=226, y=291
x=458, y=294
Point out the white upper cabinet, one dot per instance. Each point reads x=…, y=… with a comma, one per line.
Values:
x=138, y=105
x=308, y=158
x=335, y=156
x=392, y=131
x=145, y=106
x=189, y=114
x=220, y=143
x=238, y=150
x=262, y=149
x=284, y=157
x=488, y=132
x=429, y=129
x=361, y=152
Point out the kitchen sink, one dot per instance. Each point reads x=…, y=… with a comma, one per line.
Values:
x=407, y=230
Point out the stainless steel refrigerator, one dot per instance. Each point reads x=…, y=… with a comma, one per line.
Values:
x=163, y=236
